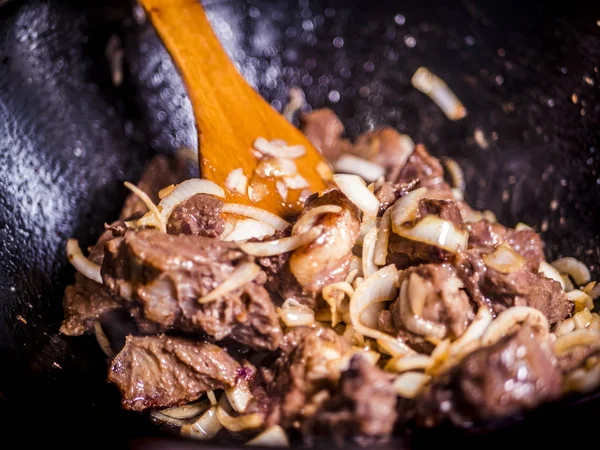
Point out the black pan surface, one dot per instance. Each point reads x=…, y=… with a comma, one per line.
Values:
x=528, y=73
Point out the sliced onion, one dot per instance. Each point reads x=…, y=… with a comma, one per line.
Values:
x=241, y=275
x=309, y=218
x=181, y=193
x=333, y=294
x=206, y=427
x=153, y=210
x=410, y=319
x=271, y=167
x=160, y=417
x=456, y=174
x=81, y=263
x=187, y=411
x=283, y=245
x=248, y=229
x=504, y=259
x=227, y=228
x=282, y=190
x=273, y=436
x=474, y=331
x=295, y=314
x=324, y=171
x=166, y=191
x=257, y=191
x=352, y=274
x=405, y=208
x=296, y=182
x=356, y=190
x=584, y=381
x=383, y=236
x=394, y=348
x=367, y=170
x=409, y=362
x=583, y=336
x=522, y=226
x=366, y=225
x=582, y=319
x=565, y=327
x=236, y=181
x=574, y=268
x=581, y=299
x=236, y=424
x=409, y=384
x=568, y=285
x=368, y=253
x=506, y=320
x=379, y=287
x=296, y=103
x=281, y=151
x=256, y=213
x=550, y=272
x=438, y=91
x=435, y=231
x=102, y=340
x=212, y=398
x=239, y=396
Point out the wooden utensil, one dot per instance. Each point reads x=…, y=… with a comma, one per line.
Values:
x=229, y=114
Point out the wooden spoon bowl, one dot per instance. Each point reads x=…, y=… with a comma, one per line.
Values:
x=229, y=113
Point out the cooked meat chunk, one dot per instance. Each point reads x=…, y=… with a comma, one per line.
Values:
x=161, y=277
x=285, y=387
x=162, y=371
x=326, y=260
x=389, y=192
x=362, y=407
x=386, y=147
x=519, y=372
x=423, y=167
x=404, y=252
x=83, y=304
x=435, y=295
x=324, y=130
x=162, y=171
x=199, y=215
x=519, y=288
x=487, y=235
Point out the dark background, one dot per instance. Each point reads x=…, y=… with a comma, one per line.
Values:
x=528, y=73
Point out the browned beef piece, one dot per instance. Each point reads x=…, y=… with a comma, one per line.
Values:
x=519, y=288
x=441, y=292
x=303, y=273
x=517, y=373
x=404, y=252
x=160, y=278
x=161, y=172
x=423, y=167
x=389, y=192
x=84, y=302
x=292, y=381
x=386, y=147
x=162, y=371
x=362, y=407
x=199, y=215
x=487, y=235
x=324, y=130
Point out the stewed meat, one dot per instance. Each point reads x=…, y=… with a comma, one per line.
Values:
x=303, y=273
x=521, y=287
x=161, y=277
x=386, y=147
x=435, y=295
x=162, y=371
x=83, y=304
x=361, y=407
x=519, y=372
x=389, y=192
x=161, y=172
x=199, y=215
x=324, y=130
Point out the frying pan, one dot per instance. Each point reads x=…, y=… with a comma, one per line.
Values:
x=527, y=72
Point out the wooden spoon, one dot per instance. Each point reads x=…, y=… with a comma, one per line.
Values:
x=229, y=114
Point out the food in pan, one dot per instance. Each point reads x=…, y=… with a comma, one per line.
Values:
x=388, y=302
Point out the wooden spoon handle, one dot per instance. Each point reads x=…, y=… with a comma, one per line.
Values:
x=229, y=114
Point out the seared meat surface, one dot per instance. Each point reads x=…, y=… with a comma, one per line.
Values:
x=519, y=372
x=162, y=371
x=199, y=215
x=161, y=279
